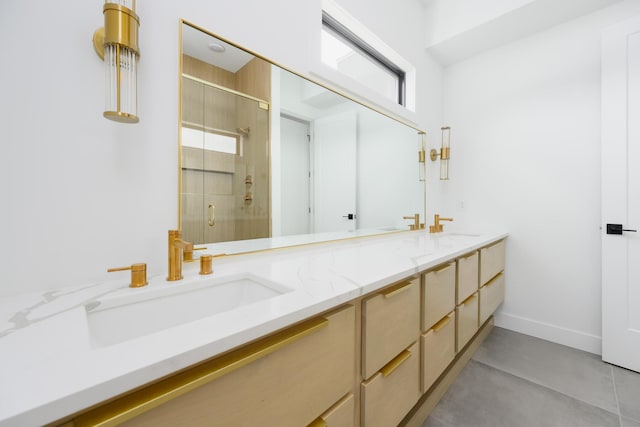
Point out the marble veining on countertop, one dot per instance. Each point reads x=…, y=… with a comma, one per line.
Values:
x=54, y=366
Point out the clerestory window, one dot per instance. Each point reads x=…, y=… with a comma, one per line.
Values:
x=346, y=52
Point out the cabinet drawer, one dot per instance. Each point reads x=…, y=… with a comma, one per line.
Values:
x=438, y=349
x=439, y=294
x=491, y=261
x=287, y=379
x=391, y=393
x=390, y=323
x=342, y=414
x=466, y=321
x=491, y=296
x=467, y=276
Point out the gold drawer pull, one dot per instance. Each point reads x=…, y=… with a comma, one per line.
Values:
x=395, y=290
x=134, y=404
x=442, y=267
x=468, y=255
x=441, y=324
x=395, y=363
x=470, y=299
x=493, y=280
x=318, y=422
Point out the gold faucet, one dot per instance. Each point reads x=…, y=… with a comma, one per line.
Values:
x=437, y=227
x=416, y=221
x=176, y=245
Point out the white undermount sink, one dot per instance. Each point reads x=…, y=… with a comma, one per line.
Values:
x=114, y=320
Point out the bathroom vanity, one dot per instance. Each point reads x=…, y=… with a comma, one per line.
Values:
x=368, y=331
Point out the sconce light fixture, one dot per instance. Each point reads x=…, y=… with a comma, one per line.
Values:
x=444, y=153
x=422, y=157
x=117, y=44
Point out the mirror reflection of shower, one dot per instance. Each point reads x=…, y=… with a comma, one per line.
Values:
x=224, y=137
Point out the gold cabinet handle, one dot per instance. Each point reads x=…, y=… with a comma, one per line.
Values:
x=441, y=324
x=395, y=363
x=212, y=215
x=468, y=255
x=470, y=299
x=318, y=422
x=493, y=280
x=136, y=403
x=441, y=268
x=395, y=290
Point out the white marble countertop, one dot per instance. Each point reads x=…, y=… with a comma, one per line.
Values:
x=53, y=365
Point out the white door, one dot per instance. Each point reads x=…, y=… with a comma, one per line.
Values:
x=335, y=173
x=621, y=194
x=295, y=175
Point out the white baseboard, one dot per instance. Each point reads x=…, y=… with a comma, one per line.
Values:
x=553, y=333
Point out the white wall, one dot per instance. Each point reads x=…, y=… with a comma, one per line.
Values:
x=525, y=155
x=82, y=193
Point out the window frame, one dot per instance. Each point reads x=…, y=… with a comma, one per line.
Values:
x=338, y=29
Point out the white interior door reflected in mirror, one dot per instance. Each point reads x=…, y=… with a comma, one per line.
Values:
x=295, y=172
x=334, y=143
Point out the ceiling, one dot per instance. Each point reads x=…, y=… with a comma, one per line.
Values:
x=195, y=43
x=502, y=22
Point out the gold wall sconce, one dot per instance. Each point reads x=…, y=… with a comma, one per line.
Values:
x=422, y=157
x=117, y=44
x=444, y=153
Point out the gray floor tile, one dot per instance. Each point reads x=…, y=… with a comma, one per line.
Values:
x=626, y=422
x=628, y=389
x=569, y=371
x=483, y=396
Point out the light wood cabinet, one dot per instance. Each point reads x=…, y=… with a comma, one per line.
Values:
x=288, y=379
x=439, y=294
x=438, y=347
x=491, y=296
x=491, y=261
x=392, y=391
x=390, y=323
x=467, y=276
x=366, y=363
x=466, y=321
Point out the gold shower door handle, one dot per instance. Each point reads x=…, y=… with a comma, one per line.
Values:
x=212, y=215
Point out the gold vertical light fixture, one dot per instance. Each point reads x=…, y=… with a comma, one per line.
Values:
x=422, y=156
x=117, y=44
x=444, y=153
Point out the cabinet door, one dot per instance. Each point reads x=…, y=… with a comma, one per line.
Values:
x=392, y=391
x=491, y=296
x=390, y=323
x=491, y=261
x=466, y=321
x=288, y=379
x=438, y=349
x=439, y=294
x=467, y=276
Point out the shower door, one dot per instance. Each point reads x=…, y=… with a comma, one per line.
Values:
x=225, y=171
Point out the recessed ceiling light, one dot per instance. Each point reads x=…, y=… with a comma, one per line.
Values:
x=216, y=47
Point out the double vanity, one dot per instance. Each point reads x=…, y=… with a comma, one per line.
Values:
x=366, y=331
